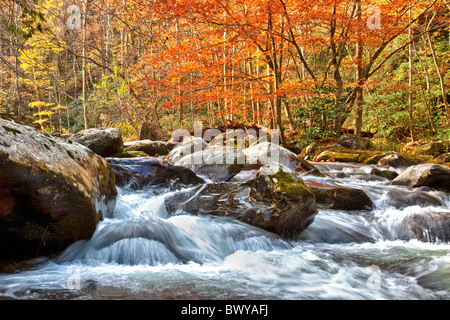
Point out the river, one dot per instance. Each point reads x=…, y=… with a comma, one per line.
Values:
x=142, y=252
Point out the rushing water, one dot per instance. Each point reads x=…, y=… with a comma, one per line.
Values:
x=141, y=252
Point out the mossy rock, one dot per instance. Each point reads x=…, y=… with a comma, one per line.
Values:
x=388, y=174
x=374, y=158
x=433, y=148
x=354, y=142
x=444, y=158
x=337, y=156
x=130, y=154
x=275, y=200
x=151, y=148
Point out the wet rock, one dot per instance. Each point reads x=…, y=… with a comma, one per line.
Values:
x=401, y=199
x=331, y=196
x=354, y=142
x=151, y=148
x=144, y=173
x=104, y=142
x=276, y=200
x=431, y=175
x=52, y=192
x=428, y=226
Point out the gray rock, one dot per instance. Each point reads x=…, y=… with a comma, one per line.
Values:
x=186, y=147
x=431, y=175
x=354, y=142
x=433, y=148
x=144, y=173
x=104, y=142
x=217, y=164
x=267, y=152
x=151, y=148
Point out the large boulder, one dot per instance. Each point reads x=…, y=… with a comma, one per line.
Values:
x=354, y=142
x=269, y=153
x=52, y=192
x=331, y=196
x=188, y=146
x=217, y=164
x=276, y=200
x=104, y=142
x=433, y=148
x=151, y=148
x=144, y=173
x=431, y=175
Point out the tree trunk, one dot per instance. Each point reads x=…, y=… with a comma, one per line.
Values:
x=410, y=78
x=16, y=62
x=359, y=80
x=85, y=113
x=441, y=80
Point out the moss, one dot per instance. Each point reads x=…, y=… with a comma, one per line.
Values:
x=70, y=154
x=12, y=130
x=74, y=227
x=235, y=168
x=33, y=231
x=288, y=185
x=112, y=177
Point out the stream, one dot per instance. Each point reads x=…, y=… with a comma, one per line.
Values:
x=142, y=252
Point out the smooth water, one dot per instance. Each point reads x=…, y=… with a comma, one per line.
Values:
x=141, y=252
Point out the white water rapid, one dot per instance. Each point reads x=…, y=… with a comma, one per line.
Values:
x=142, y=252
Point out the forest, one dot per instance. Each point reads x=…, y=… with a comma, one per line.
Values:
x=344, y=195
x=312, y=69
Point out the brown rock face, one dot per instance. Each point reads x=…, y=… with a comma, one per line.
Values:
x=53, y=192
x=339, y=198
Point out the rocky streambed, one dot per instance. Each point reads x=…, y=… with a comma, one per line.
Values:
x=83, y=226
